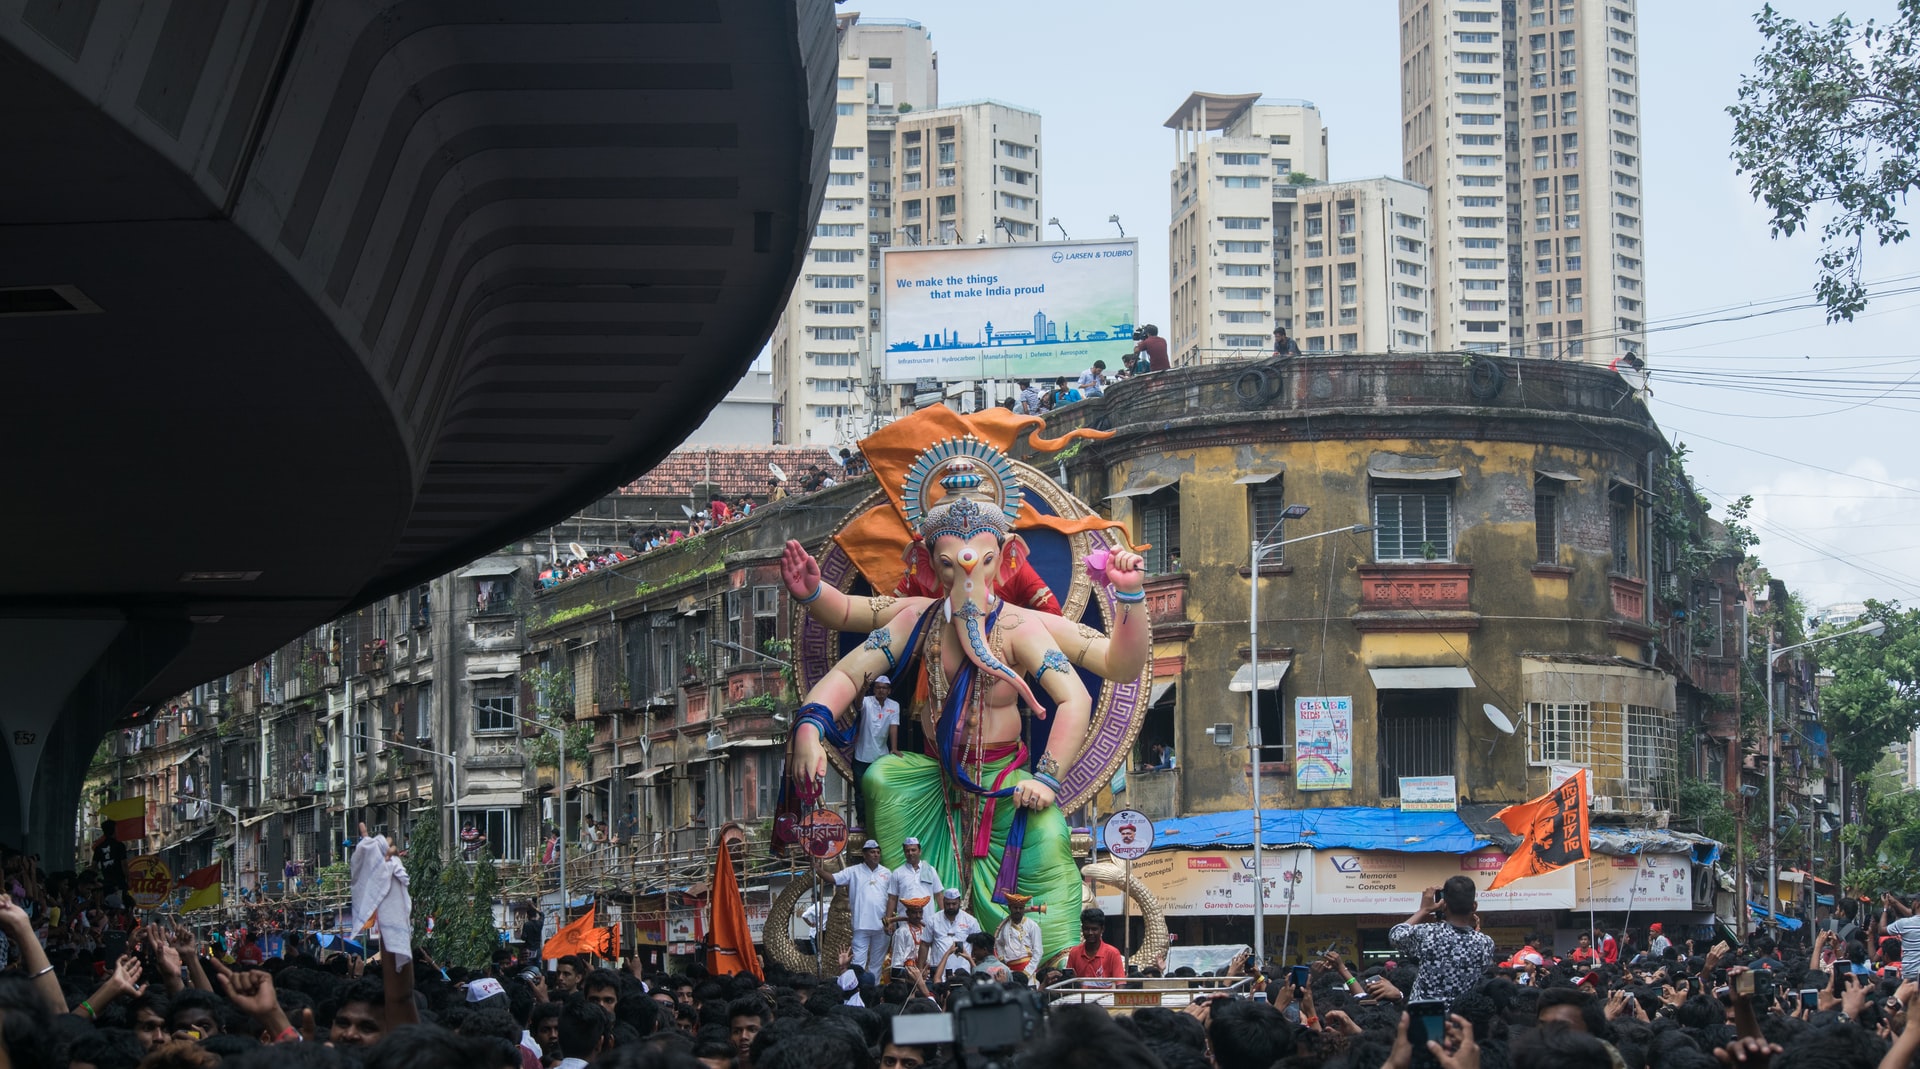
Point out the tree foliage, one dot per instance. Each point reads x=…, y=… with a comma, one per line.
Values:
x=1874, y=699
x=1883, y=834
x=1829, y=124
x=459, y=901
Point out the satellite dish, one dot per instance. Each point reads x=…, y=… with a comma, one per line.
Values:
x=778, y=473
x=579, y=552
x=688, y=510
x=1498, y=718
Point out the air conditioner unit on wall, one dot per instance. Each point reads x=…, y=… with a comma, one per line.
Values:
x=1603, y=803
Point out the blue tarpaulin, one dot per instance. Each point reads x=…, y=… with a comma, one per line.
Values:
x=1366, y=828
x=1624, y=842
x=1760, y=913
x=1816, y=737
x=1342, y=828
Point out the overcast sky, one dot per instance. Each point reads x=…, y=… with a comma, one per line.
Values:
x=1837, y=502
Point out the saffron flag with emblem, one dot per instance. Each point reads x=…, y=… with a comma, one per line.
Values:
x=1553, y=830
x=203, y=888
x=579, y=937
x=732, y=938
x=129, y=816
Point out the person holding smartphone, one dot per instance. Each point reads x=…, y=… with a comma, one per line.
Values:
x=1444, y=934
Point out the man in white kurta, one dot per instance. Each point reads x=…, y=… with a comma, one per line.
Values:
x=948, y=929
x=867, y=884
x=1018, y=941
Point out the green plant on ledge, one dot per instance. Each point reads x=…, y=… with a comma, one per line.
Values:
x=760, y=703
x=544, y=748
x=783, y=649
x=563, y=615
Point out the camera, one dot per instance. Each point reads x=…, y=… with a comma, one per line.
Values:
x=988, y=1021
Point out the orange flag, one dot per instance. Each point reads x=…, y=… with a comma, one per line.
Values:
x=579, y=937
x=1554, y=827
x=731, y=939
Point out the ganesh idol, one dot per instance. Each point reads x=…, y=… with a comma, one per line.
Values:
x=1025, y=700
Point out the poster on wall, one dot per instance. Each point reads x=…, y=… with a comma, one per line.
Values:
x=1644, y=881
x=1323, y=744
x=1194, y=883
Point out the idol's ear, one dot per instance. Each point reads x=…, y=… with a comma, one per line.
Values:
x=1013, y=553
x=919, y=579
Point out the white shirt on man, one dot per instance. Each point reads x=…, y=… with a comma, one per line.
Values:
x=1014, y=942
x=907, y=941
x=1089, y=384
x=875, y=718
x=866, y=894
x=917, y=881
x=943, y=933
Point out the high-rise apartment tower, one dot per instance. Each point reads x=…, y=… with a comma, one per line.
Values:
x=1523, y=117
x=905, y=171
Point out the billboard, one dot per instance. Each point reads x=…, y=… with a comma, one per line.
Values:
x=1032, y=310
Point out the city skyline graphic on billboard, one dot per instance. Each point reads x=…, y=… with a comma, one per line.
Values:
x=1037, y=310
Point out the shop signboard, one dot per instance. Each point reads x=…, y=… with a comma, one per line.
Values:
x=1428, y=794
x=1638, y=882
x=1386, y=882
x=1194, y=883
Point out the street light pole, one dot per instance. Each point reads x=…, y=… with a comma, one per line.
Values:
x=1773, y=761
x=453, y=772
x=1260, y=549
x=235, y=814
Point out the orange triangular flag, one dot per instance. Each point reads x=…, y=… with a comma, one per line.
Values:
x=731, y=939
x=578, y=937
x=1554, y=830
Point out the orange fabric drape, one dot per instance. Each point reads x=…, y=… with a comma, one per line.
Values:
x=731, y=939
x=1555, y=829
x=579, y=937
x=877, y=538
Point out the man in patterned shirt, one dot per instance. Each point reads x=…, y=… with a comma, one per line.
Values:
x=1444, y=935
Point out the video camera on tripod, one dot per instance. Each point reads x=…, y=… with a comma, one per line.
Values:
x=987, y=1023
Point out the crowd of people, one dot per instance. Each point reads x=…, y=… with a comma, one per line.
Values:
x=156, y=998
x=718, y=513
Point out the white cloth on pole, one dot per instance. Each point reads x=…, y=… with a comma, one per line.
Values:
x=380, y=895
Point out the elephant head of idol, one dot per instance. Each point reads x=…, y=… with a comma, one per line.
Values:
x=963, y=495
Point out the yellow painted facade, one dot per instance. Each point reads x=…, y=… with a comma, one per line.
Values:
x=1185, y=467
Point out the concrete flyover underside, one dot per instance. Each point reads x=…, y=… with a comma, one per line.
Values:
x=305, y=301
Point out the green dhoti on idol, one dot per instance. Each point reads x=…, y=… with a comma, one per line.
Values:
x=1015, y=703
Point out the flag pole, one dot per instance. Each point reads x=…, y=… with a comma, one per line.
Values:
x=1593, y=913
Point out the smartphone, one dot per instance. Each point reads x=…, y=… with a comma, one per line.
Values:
x=1427, y=1023
x=1809, y=998
x=1743, y=984
x=1300, y=974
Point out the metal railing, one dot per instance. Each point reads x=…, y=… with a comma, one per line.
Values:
x=1126, y=996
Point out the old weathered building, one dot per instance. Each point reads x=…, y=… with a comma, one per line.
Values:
x=1508, y=618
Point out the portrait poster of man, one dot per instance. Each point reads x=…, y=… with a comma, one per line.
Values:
x=1554, y=827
